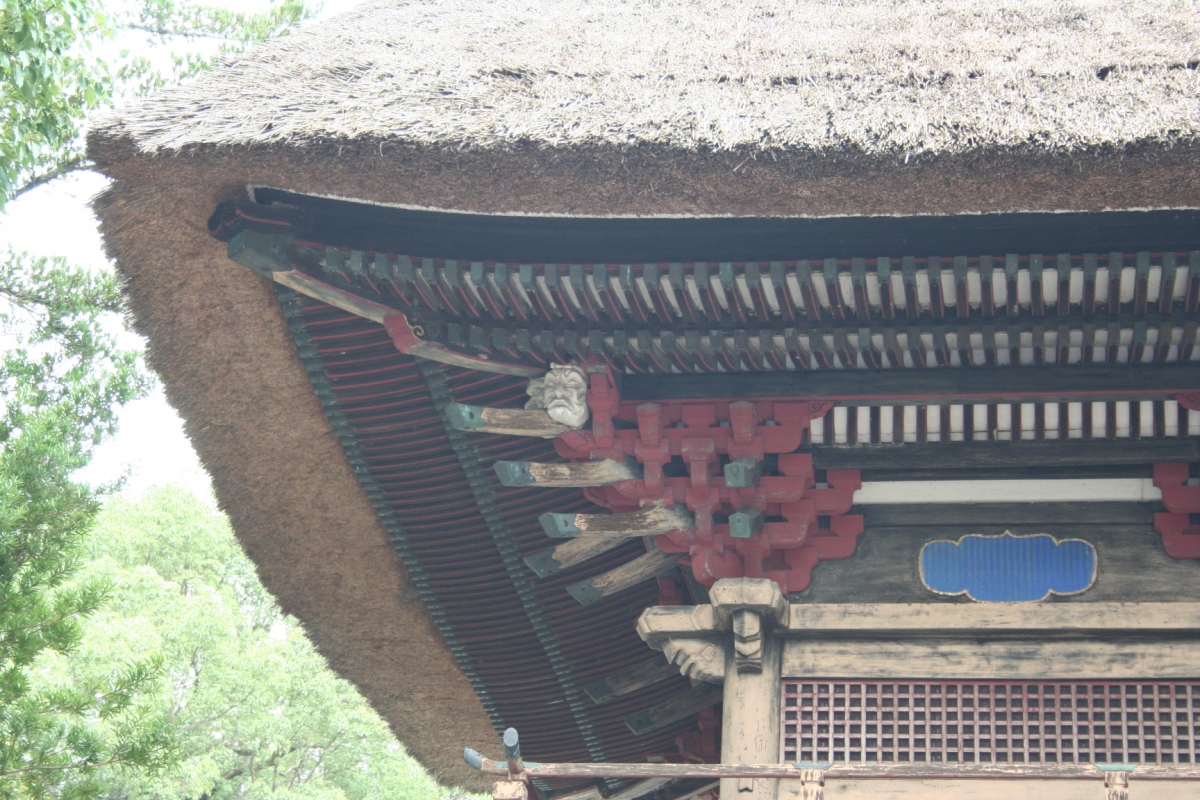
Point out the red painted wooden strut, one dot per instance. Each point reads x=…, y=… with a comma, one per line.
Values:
x=1180, y=538
x=761, y=526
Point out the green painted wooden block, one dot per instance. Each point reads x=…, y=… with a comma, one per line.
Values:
x=263, y=253
x=742, y=472
x=746, y=522
x=559, y=526
x=465, y=417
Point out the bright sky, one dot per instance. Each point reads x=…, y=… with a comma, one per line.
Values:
x=56, y=220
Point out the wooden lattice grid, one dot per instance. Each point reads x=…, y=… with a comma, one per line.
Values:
x=847, y=720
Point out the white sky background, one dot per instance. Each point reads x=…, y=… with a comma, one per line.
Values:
x=56, y=220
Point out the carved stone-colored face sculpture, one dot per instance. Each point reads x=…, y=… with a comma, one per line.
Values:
x=563, y=393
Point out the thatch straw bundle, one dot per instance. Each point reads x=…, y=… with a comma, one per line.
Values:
x=896, y=79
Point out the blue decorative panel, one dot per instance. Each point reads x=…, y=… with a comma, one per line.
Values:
x=1008, y=568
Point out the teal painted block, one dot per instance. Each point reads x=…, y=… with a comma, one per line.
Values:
x=514, y=473
x=742, y=473
x=464, y=417
x=746, y=522
x=559, y=526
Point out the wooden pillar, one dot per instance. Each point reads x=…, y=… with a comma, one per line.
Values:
x=1116, y=782
x=510, y=790
x=751, y=609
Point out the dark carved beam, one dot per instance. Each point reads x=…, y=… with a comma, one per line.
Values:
x=1045, y=384
x=914, y=457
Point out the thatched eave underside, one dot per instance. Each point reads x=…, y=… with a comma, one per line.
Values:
x=649, y=182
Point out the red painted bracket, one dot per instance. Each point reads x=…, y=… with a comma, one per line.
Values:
x=1189, y=400
x=697, y=437
x=1180, y=538
x=1178, y=497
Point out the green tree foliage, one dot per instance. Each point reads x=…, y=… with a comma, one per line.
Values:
x=47, y=84
x=257, y=714
x=52, y=73
x=62, y=378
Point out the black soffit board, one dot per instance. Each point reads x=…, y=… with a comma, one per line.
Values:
x=602, y=240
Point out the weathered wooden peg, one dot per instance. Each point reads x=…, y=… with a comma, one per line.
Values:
x=670, y=711
x=747, y=521
x=743, y=472
x=637, y=677
x=575, y=474
x=570, y=553
x=647, y=522
x=642, y=568
x=532, y=422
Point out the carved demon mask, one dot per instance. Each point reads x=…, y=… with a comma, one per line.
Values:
x=563, y=393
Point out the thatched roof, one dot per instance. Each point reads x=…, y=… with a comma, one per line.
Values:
x=652, y=109
x=887, y=79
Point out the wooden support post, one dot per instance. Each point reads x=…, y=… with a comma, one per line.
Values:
x=812, y=781
x=752, y=608
x=510, y=790
x=1116, y=786
x=1116, y=780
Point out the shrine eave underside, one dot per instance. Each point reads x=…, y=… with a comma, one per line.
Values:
x=1115, y=289
x=946, y=344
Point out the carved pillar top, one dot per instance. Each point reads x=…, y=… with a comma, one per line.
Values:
x=759, y=595
x=697, y=638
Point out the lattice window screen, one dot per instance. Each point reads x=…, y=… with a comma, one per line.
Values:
x=1154, y=722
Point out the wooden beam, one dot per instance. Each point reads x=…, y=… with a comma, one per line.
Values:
x=642, y=568
x=992, y=455
x=580, y=474
x=948, y=659
x=927, y=515
x=631, y=680
x=963, y=492
x=511, y=421
x=556, y=239
x=681, y=706
x=1008, y=473
x=269, y=256
x=916, y=770
x=1045, y=384
x=570, y=553
x=974, y=619
x=863, y=771
x=331, y=295
x=646, y=522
